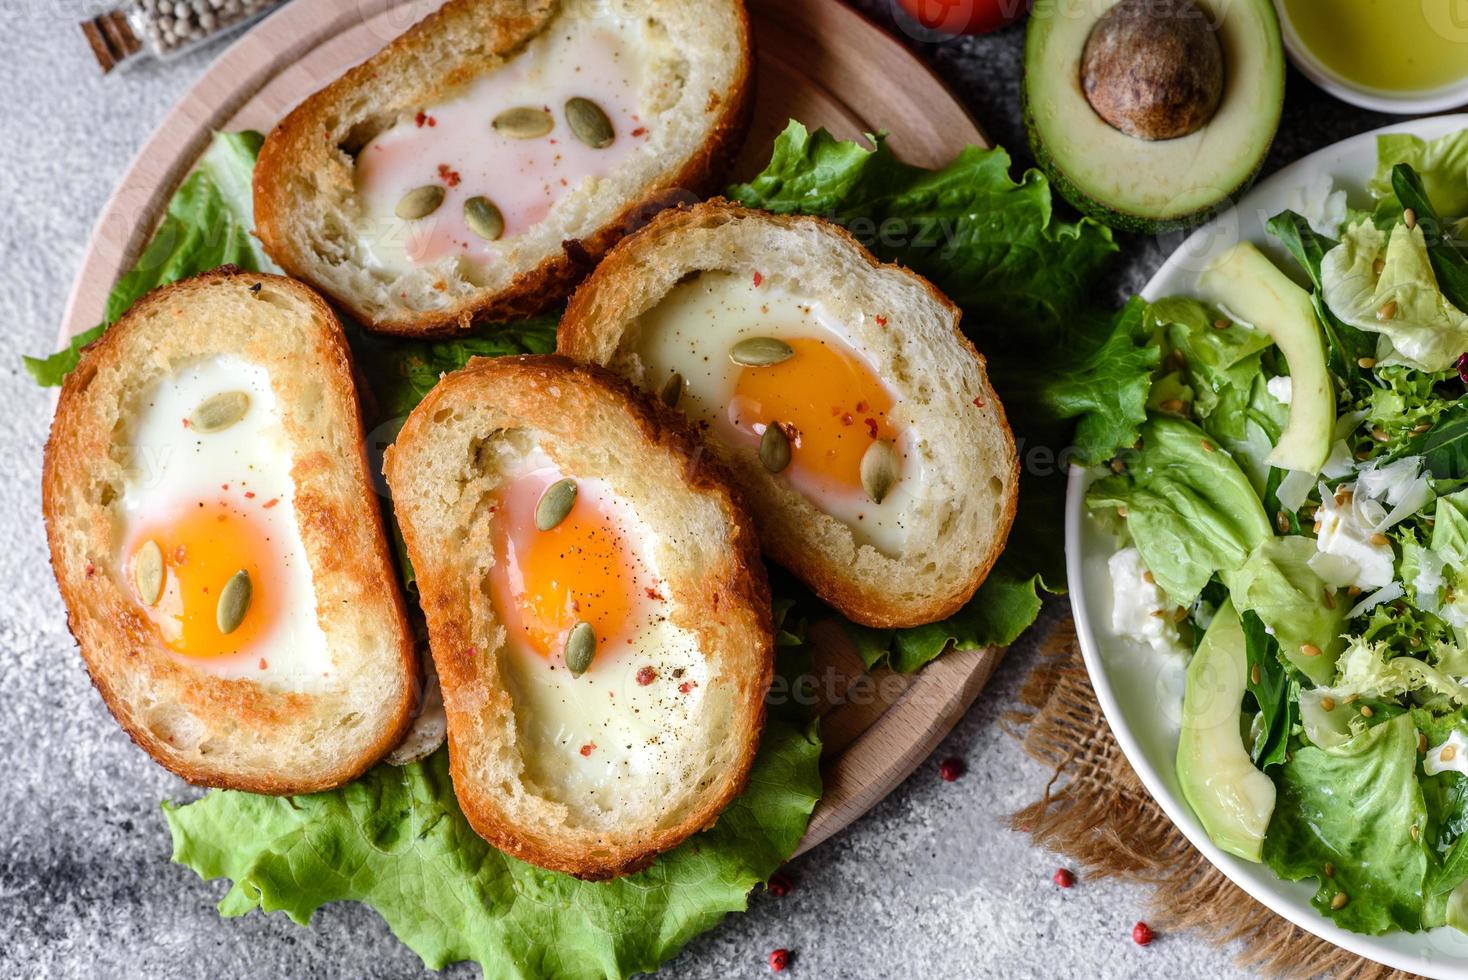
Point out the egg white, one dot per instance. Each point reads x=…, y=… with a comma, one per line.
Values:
x=172, y=466
x=603, y=737
x=692, y=330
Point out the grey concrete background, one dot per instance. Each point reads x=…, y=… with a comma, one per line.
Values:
x=928, y=884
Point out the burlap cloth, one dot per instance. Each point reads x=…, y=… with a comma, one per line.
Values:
x=1096, y=812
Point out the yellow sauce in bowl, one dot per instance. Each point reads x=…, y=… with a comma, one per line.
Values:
x=1398, y=46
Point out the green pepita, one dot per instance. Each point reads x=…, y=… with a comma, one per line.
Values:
x=483, y=218
x=589, y=123
x=220, y=411
x=148, y=572
x=580, y=648
x=672, y=390
x=761, y=352
x=555, y=504
x=524, y=123
x=774, y=448
x=879, y=470
x=419, y=202
x=234, y=602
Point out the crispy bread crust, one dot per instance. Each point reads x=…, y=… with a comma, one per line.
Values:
x=342, y=533
x=551, y=394
x=296, y=145
x=595, y=314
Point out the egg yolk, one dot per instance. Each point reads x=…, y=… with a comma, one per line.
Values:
x=203, y=548
x=545, y=582
x=829, y=402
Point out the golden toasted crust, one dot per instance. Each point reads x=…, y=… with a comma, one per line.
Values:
x=862, y=586
x=213, y=731
x=305, y=146
x=725, y=599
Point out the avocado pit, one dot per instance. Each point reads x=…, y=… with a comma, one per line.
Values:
x=1153, y=69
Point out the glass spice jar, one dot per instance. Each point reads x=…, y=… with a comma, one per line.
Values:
x=165, y=28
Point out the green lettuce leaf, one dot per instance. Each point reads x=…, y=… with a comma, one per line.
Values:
x=1424, y=330
x=208, y=224
x=1346, y=344
x=1442, y=164
x=396, y=840
x=1276, y=583
x=1272, y=691
x=1358, y=808
x=1190, y=510
x=1448, y=263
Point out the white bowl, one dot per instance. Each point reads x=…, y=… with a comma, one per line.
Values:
x=1402, y=103
x=1139, y=690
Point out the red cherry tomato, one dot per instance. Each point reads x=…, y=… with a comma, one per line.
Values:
x=965, y=16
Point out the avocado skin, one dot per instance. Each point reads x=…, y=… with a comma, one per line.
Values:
x=1114, y=217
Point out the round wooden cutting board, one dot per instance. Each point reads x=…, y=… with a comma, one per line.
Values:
x=817, y=61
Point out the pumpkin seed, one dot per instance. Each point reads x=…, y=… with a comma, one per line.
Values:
x=219, y=412
x=419, y=202
x=879, y=470
x=148, y=572
x=234, y=602
x=483, y=218
x=580, y=648
x=774, y=448
x=555, y=504
x=524, y=123
x=761, y=352
x=589, y=123
x=672, y=390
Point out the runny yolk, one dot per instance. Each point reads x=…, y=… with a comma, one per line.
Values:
x=829, y=402
x=203, y=547
x=545, y=582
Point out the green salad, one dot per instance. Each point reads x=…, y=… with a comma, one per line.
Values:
x=1289, y=484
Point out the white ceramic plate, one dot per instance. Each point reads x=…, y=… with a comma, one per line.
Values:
x=1140, y=690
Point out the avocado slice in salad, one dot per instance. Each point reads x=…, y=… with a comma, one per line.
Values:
x=1249, y=287
x=1153, y=114
x=1231, y=798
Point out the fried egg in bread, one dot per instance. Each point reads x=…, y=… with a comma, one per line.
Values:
x=479, y=164
x=840, y=391
x=596, y=608
x=218, y=544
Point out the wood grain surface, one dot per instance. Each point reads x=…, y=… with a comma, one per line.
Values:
x=817, y=61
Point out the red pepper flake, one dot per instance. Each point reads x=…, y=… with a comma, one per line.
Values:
x=271, y=502
x=872, y=427
x=1065, y=878
x=758, y=279
x=91, y=569
x=640, y=131
x=263, y=664
x=432, y=122
x=180, y=555
x=779, y=960
x=187, y=423
x=950, y=769
x=646, y=675
x=1142, y=934
x=687, y=687
x=224, y=486
x=862, y=406
x=420, y=119
x=779, y=885
x=653, y=594
x=978, y=402
x=249, y=495
x=448, y=175
x=588, y=748
x=881, y=321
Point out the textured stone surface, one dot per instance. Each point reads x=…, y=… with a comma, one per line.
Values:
x=928, y=884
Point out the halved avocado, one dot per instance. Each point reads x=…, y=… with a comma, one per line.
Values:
x=1153, y=68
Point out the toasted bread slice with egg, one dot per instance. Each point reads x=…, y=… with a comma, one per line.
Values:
x=596, y=607
x=218, y=541
x=479, y=165
x=890, y=483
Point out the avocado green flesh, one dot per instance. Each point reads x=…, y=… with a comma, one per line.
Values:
x=1250, y=287
x=1141, y=185
x=1231, y=798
